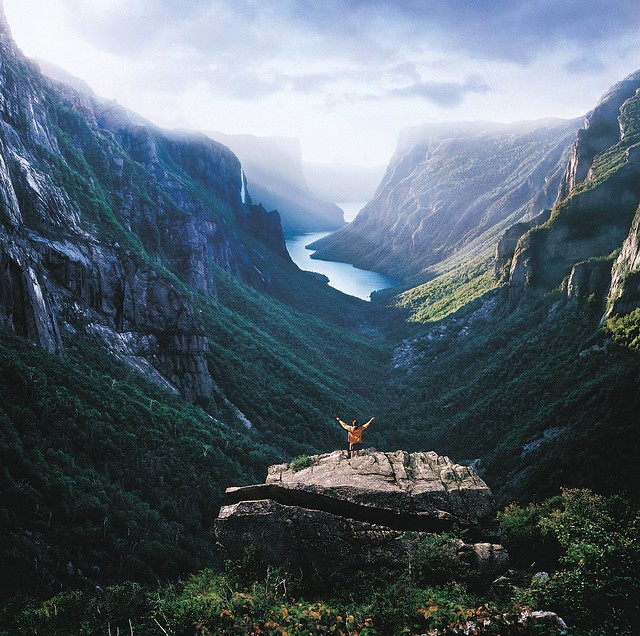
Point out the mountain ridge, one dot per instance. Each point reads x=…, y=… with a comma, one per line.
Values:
x=597, y=202
x=152, y=325
x=463, y=182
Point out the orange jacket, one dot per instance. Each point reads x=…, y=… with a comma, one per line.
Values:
x=355, y=432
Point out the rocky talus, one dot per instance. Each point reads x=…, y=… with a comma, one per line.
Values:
x=339, y=514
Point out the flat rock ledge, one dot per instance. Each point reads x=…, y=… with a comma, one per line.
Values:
x=365, y=513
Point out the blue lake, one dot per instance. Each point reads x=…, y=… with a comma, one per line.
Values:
x=343, y=276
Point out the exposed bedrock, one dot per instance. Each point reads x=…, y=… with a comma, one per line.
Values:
x=368, y=511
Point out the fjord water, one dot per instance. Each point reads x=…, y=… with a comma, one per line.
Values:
x=342, y=276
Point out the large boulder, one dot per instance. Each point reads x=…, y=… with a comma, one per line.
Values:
x=337, y=514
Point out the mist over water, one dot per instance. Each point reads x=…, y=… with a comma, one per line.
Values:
x=342, y=276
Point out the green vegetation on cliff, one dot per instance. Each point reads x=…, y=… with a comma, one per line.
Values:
x=538, y=394
x=594, y=218
x=625, y=330
x=103, y=471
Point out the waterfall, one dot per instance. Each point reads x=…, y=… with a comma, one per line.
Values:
x=243, y=191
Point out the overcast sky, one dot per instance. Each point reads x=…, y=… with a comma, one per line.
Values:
x=344, y=76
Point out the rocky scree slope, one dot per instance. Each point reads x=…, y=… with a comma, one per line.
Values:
x=105, y=219
x=452, y=189
x=340, y=515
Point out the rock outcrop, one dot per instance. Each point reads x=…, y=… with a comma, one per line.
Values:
x=601, y=130
x=589, y=278
x=624, y=292
x=506, y=248
x=341, y=514
x=595, y=209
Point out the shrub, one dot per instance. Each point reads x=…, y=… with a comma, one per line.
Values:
x=625, y=330
x=300, y=462
x=528, y=545
x=437, y=562
x=598, y=589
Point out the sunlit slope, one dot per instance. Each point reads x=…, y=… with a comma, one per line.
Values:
x=526, y=378
x=451, y=189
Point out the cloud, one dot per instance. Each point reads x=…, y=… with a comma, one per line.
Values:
x=494, y=29
x=444, y=94
x=584, y=64
x=337, y=70
x=255, y=38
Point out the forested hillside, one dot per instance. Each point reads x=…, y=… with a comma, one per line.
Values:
x=157, y=345
x=157, y=341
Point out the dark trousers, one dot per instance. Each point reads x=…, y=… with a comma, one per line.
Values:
x=352, y=449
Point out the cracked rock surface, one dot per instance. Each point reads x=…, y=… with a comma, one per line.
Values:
x=340, y=514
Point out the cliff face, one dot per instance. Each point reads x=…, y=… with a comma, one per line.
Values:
x=508, y=243
x=600, y=131
x=452, y=186
x=624, y=292
x=273, y=166
x=105, y=219
x=594, y=214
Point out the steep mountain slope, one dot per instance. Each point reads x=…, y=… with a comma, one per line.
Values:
x=273, y=166
x=94, y=206
x=523, y=380
x=596, y=206
x=450, y=190
x=178, y=343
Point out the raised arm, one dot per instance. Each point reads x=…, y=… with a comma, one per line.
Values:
x=343, y=424
x=368, y=423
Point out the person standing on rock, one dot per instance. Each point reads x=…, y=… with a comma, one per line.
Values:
x=354, y=434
